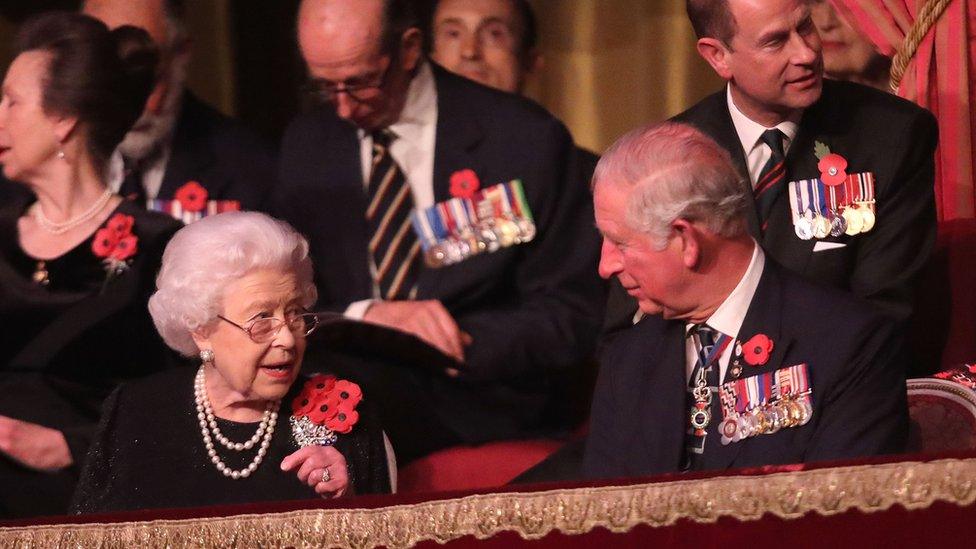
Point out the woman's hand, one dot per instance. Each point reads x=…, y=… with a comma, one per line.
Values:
x=321, y=467
x=34, y=446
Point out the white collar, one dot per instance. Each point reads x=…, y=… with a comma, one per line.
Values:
x=731, y=313
x=419, y=109
x=750, y=132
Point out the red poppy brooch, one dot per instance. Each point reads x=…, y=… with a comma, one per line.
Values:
x=192, y=197
x=464, y=183
x=115, y=244
x=832, y=166
x=325, y=406
x=756, y=351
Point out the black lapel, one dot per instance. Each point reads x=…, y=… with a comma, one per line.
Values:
x=343, y=162
x=191, y=157
x=712, y=116
x=663, y=413
x=764, y=317
x=459, y=132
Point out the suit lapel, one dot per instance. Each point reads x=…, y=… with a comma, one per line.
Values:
x=663, y=414
x=458, y=136
x=764, y=317
x=190, y=158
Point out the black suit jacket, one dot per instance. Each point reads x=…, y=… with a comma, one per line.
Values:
x=640, y=414
x=875, y=132
x=230, y=161
x=531, y=309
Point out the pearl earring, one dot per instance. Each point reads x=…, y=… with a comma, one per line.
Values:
x=60, y=154
x=206, y=356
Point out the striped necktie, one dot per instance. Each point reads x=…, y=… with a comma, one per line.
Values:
x=770, y=182
x=393, y=246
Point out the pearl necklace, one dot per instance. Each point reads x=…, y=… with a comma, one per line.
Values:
x=208, y=424
x=63, y=227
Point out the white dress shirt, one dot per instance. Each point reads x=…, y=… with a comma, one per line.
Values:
x=750, y=135
x=728, y=317
x=152, y=172
x=413, y=151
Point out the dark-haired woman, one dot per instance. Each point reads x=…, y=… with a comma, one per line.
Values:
x=76, y=262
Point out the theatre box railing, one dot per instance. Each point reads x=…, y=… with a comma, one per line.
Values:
x=773, y=502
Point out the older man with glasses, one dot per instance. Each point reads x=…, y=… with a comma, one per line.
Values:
x=518, y=307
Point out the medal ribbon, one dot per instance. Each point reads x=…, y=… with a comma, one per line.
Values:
x=448, y=218
x=812, y=192
x=520, y=200
x=796, y=203
x=434, y=217
x=421, y=226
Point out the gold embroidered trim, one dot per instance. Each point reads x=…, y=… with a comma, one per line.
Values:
x=867, y=488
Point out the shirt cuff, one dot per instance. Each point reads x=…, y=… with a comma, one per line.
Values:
x=357, y=309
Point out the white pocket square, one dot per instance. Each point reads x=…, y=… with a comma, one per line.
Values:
x=821, y=246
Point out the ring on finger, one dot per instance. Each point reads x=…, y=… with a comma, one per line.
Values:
x=326, y=475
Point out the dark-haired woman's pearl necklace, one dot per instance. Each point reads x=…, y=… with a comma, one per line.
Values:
x=60, y=228
x=208, y=425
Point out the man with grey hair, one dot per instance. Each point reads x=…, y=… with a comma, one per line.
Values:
x=728, y=368
x=179, y=140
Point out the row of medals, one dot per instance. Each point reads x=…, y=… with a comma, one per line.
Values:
x=489, y=235
x=791, y=411
x=851, y=220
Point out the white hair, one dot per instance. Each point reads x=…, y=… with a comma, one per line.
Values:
x=204, y=257
x=675, y=172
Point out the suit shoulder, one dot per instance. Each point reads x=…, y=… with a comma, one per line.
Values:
x=223, y=132
x=498, y=105
x=809, y=304
x=873, y=104
x=705, y=110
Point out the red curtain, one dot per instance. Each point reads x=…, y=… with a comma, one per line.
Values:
x=939, y=78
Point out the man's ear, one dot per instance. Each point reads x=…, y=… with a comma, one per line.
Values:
x=411, y=48
x=690, y=242
x=717, y=54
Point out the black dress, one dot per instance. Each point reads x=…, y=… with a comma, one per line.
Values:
x=65, y=345
x=149, y=453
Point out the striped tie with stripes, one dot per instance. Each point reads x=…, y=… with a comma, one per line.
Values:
x=770, y=182
x=393, y=246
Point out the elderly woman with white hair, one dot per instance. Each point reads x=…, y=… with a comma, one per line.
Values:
x=234, y=290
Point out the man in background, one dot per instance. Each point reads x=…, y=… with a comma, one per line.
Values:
x=493, y=42
x=179, y=140
x=777, y=118
x=390, y=134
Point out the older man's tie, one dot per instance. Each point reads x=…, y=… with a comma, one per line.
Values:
x=704, y=379
x=771, y=178
x=393, y=246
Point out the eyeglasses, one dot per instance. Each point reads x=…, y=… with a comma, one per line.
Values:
x=360, y=89
x=263, y=330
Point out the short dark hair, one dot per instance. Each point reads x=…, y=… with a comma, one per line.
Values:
x=398, y=17
x=527, y=41
x=102, y=77
x=712, y=19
